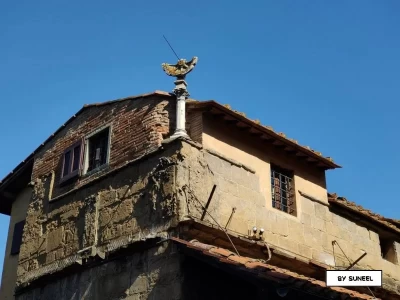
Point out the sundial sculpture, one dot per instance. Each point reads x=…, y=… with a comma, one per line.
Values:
x=180, y=70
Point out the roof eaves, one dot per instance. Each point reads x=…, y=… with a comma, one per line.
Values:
x=155, y=93
x=9, y=176
x=268, y=130
x=353, y=207
x=263, y=269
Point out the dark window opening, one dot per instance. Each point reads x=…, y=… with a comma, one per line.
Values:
x=98, y=150
x=17, y=237
x=388, y=250
x=282, y=190
x=72, y=161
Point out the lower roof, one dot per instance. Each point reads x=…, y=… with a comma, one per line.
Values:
x=268, y=272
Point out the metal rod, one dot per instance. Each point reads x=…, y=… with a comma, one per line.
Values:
x=208, y=202
x=171, y=47
x=356, y=261
x=230, y=218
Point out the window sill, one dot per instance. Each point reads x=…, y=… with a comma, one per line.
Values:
x=94, y=171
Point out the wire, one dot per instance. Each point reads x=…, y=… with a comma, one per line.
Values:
x=171, y=47
x=224, y=230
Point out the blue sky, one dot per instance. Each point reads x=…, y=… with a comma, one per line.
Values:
x=324, y=72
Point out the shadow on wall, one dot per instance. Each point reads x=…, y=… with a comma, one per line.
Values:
x=151, y=274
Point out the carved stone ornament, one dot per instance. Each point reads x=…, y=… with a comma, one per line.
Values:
x=181, y=68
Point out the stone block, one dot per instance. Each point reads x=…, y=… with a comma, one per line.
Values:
x=139, y=285
x=108, y=198
x=312, y=237
x=319, y=224
x=272, y=238
x=323, y=257
x=345, y=235
x=296, y=231
x=332, y=229
x=280, y=226
x=55, y=238
x=289, y=244
x=307, y=206
x=122, y=211
x=104, y=216
x=305, y=251
x=305, y=219
x=227, y=186
x=321, y=211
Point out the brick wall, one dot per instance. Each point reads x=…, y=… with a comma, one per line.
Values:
x=194, y=125
x=138, y=125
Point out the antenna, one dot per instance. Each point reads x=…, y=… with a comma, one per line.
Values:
x=171, y=47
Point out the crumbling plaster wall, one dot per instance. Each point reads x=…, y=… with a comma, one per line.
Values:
x=308, y=235
x=133, y=203
x=151, y=274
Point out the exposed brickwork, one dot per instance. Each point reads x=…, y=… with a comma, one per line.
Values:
x=137, y=126
x=194, y=125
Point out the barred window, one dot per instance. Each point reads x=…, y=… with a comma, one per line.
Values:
x=282, y=190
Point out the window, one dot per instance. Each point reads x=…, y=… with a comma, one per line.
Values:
x=17, y=237
x=72, y=161
x=97, y=150
x=388, y=250
x=282, y=190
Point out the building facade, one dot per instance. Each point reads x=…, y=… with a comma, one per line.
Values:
x=113, y=206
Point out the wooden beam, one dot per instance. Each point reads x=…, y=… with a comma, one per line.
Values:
x=301, y=154
x=255, y=132
x=277, y=143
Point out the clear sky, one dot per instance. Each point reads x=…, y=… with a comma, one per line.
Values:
x=326, y=73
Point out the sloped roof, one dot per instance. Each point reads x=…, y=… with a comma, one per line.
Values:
x=255, y=128
x=269, y=272
x=334, y=199
x=85, y=107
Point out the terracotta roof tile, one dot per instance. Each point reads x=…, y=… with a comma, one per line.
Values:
x=343, y=202
x=270, y=272
x=240, y=259
x=221, y=251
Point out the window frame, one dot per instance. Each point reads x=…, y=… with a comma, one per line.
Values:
x=87, y=138
x=72, y=173
x=16, y=241
x=291, y=209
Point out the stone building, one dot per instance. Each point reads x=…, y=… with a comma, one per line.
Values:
x=113, y=206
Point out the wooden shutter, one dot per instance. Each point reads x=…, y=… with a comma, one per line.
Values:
x=72, y=161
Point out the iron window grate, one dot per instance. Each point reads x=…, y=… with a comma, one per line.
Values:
x=282, y=192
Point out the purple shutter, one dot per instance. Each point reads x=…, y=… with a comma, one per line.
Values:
x=72, y=161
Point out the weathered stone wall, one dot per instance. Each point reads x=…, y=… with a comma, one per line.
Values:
x=308, y=235
x=133, y=203
x=160, y=273
x=151, y=274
